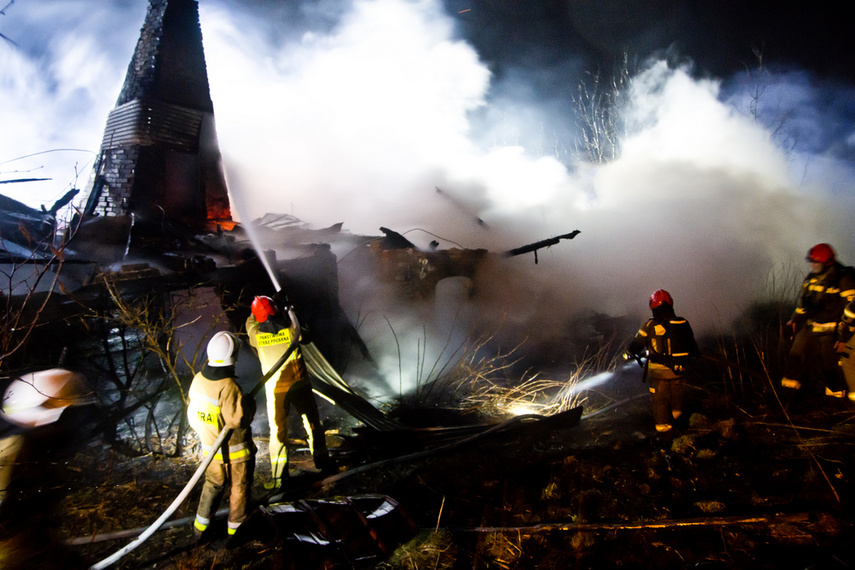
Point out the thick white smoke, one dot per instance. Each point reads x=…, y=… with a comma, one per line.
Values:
x=352, y=126
x=358, y=121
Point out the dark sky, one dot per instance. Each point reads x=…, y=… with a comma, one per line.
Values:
x=718, y=35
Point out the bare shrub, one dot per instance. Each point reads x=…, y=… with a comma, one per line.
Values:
x=149, y=362
x=599, y=103
x=759, y=342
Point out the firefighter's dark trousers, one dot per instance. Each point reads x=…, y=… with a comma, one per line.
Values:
x=666, y=394
x=299, y=396
x=239, y=476
x=813, y=354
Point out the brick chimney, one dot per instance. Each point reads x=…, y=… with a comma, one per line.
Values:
x=160, y=159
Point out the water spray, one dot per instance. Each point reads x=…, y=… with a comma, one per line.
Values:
x=573, y=389
x=253, y=235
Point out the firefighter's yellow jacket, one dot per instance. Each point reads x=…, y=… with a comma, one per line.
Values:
x=272, y=345
x=823, y=299
x=216, y=401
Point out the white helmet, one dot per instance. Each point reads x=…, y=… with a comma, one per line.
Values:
x=39, y=398
x=222, y=349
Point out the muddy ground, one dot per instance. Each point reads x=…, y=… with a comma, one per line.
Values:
x=753, y=478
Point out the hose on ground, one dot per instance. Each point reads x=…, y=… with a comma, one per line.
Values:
x=224, y=434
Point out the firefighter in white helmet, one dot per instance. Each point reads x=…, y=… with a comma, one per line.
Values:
x=217, y=402
x=35, y=400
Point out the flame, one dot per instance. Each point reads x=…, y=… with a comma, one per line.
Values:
x=523, y=409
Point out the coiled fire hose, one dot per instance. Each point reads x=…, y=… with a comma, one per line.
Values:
x=224, y=434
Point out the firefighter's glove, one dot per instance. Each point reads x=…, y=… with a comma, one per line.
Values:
x=791, y=329
x=285, y=319
x=281, y=299
x=305, y=335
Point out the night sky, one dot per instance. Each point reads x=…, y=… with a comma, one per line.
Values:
x=718, y=36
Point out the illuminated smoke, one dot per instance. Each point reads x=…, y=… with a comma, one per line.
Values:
x=356, y=112
x=361, y=123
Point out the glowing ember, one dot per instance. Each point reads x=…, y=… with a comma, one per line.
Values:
x=523, y=409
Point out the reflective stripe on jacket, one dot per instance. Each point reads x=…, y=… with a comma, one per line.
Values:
x=823, y=298
x=669, y=343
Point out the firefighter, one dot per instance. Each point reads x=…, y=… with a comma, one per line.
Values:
x=44, y=417
x=668, y=342
x=846, y=347
x=271, y=331
x=217, y=402
x=824, y=294
x=31, y=407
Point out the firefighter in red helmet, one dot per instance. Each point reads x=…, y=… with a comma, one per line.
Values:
x=668, y=342
x=271, y=330
x=824, y=294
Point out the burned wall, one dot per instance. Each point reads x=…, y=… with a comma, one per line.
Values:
x=160, y=156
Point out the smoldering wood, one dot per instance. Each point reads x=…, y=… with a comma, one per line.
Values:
x=533, y=247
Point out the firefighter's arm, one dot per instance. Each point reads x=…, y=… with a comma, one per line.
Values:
x=847, y=288
x=295, y=324
x=231, y=406
x=287, y=310
x=252, y=330
x=799, y=316
x=249, y=409
x=638, y=345
x=251, y=333
x=695, y=351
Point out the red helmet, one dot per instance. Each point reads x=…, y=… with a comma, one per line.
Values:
x=821, y=253
x=263, y=307
x=659, y=297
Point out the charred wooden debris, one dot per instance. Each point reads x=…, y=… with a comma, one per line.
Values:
x=417, y=271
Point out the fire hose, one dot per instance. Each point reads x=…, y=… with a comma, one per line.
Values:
x=206, y=461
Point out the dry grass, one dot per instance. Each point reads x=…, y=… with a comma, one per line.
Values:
x=486, y=380
x=427, y=551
